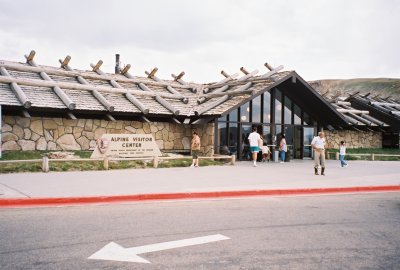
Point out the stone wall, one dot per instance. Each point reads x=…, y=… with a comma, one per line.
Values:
x=354, y=139
x=39, y=133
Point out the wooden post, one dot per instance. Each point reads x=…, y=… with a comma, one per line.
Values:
x=233, y=159
x=105, y=163
x=45, y=164
x=155, y=162
x=372, y=156
x=337, y=156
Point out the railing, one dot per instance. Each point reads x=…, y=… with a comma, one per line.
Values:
x=372, y=155
x=45, y=161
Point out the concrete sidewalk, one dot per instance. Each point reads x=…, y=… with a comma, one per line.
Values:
x=241, y=178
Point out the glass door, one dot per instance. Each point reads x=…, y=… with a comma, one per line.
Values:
x=245, y=131
x=307, y=138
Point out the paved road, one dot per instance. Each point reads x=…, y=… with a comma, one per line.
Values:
x=310, y=232
x=296, y=174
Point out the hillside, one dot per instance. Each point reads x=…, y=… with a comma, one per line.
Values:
x=382, y=86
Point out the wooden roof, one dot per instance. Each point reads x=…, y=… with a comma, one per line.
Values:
x=30, y=88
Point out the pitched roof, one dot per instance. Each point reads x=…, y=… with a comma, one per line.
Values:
x=66, y=90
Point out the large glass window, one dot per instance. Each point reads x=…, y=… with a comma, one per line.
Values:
x=278, y=106
x=266, y=133
x=297, y=115
x=245, y=112
x=267, y=107
x=288, y=111
x=233, y=116
x=222, y=140
x=256, y=110
x=245, y=150
x=232, y=138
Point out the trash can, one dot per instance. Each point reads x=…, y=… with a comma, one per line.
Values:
x=276, y=156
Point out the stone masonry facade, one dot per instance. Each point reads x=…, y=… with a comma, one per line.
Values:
x=354, y=139
x=40, y=133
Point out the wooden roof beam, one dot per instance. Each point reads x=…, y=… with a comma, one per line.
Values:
x=59, y=92
x=172, y=90
x=227, y=79
x=178, y=78
x=156, y=96
x=272, y=71
x=115, y=84
x=75, y=73
x=17, y=90
x=247, y=74
x=393, y=105
x=160, y=100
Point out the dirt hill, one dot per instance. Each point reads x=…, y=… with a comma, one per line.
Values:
x=381, y=86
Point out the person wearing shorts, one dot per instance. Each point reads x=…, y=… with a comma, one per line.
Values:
x=254, y=139
x=195, y=146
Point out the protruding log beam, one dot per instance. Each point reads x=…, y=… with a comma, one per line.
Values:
x=110, y=117
x=362, y=120
x=179, y=77
x=103, y=101
x=216, y=91
x=395, y=112
x=227, y=79
x=75, y=73
x=374, y=120
x=125, y=69
x=160, y=100
x=17, y=90
x=248, y=75
x=82, y=87
x=212, y=105
x=65, y=62
x=388, y=104
x=137, y=103
x=25, y=114
x=169, y=88
x=182, y=82
x=269, y=66
x=352, y=111
x=30, y=57
x=97, y=66
x=71, y=116
x=60, y=93
x=145, y=119
x=242, y=69
x=152, y=72
x=272, y=72
x=352, y=121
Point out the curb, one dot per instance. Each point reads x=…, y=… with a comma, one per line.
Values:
x=67, y=201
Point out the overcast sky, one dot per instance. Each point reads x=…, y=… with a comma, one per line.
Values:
x=320, y=39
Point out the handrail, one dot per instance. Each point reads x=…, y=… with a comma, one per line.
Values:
x=372, y=155
x=46, y=168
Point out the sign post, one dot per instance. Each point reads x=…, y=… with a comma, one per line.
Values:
x=126, y=146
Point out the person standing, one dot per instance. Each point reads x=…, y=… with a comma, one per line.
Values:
x=195, y=147
x=282, y=148
x=254, y=139
x=342, y=153
x=318, y=144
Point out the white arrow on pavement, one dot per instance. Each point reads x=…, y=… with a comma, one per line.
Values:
x=115, y=252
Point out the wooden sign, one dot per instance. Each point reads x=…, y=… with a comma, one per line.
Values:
x=126, y=145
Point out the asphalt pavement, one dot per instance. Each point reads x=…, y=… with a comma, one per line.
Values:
x=241, y=179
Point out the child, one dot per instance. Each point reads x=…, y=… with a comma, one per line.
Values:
x=342, y=153
x=265, y=153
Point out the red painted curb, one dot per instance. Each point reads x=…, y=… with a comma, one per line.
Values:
x=195, y=195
